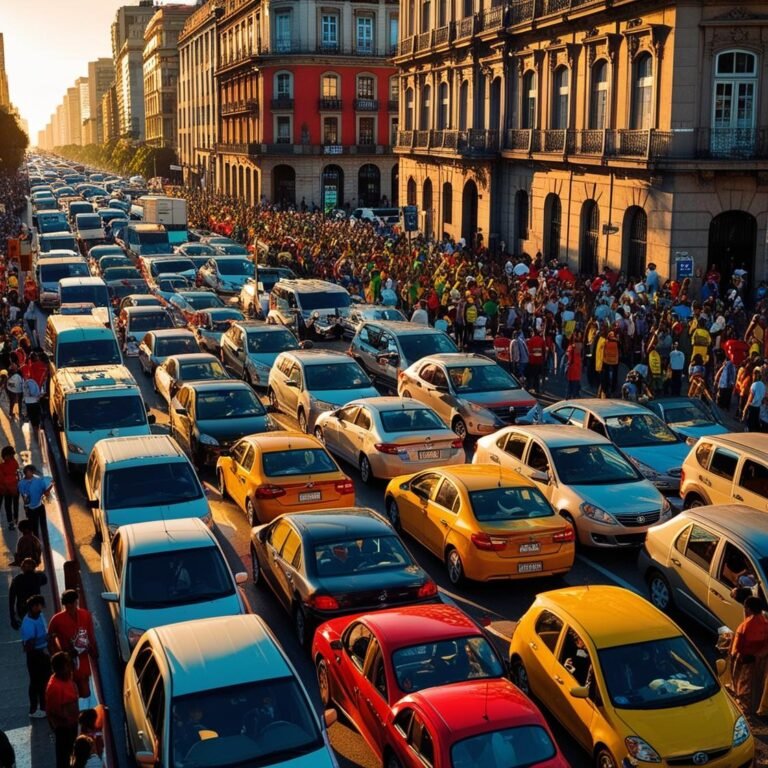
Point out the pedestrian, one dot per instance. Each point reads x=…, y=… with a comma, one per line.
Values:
x=9, y=485
x=34, y=488
x=757, y=393
x=610, y=371
x=71, y=630
x=27, y=546
x=84, y=753
x=676, y=368
x=420, y=314
x=23, y=586
x=31, y=394
x=62, y=707
x=91, y=724
x=13, y=387
x=725, y=378
x=34, y=639
x=573, y=366
x=749, y=655
x=537, y=350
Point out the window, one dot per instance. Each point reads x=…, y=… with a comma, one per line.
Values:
x=537, y=458
x=409, y=111
x=528, y=115
x=329, y=87
x=516, y=446
x=735, y=568
x=278, y=535
x=448, y=496
x=642, y=92
x=149, y=677
x=410, y=192
x=363, y=419
x=156, y=708
x=754, y=478
x=701, y=546
x=366, y=131
x=366, y=87
x=464, y=105
x=365, y=34
x=560, y=96
x=377, y=672
x=284, y=85
x=552, y=218
x=703, y=452
x=598, y=99
x=443, y=113
x=330, y=130
x=394, y=88
x=447, y=203
x=329, y=26
x=548, y=628
x=291, y=551
x=246, y=460
x=424, y=486
x=283, y=32
x=724, y=463
x=283, y=129
x=358, y=639
x=393, y=32
x=574, y=656
x=426, y=16
x=521, y=213
x=425, y=116
x=733, y=111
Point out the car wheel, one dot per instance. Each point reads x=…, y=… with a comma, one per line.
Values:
x=255, y=568
x=300, y=626
x=604, y=759
x=519, y=675
x=693, y=501
x=303, y=425
x=659, y=592
x=250, y=513
x=393, y=513
x=222, y=485
x=366, y=473
x=324, y=683
x=459, y=427
x=454, y=566
x=272, y=397
x=319, y=435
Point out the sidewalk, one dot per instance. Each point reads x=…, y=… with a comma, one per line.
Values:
x=32, y=739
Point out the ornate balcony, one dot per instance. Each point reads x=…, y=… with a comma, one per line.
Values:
x=465, y=27
x=333, y=105
x=442, y=35
x=424, y=41
x=475, y=142
x=366, y=105
x=243, y=106
x=493, y=18
x=282, y=102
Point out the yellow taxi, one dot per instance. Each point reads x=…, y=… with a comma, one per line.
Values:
x=275, y=472
x=626, y=682
x=484, y=522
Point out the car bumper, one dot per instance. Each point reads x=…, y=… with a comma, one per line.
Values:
x=386, y=466
x=593, y=534
x=488, y=566
x=742, y=756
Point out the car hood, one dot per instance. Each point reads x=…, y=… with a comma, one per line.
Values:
x=339, y=397
x=660, y=458
x=148, y=618
x=500, y=398
x=228, y=430
x=195, y=508
x=263, y=358
x=624, y=498
x=238, y=280
x=688, y=430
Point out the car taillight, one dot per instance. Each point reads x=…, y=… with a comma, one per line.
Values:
x=391, y=448
x=488, y=543
x=564, y=536
x=345, y=486
x=428, y=589
x=324, y=603
x=269, y=491
x=457, y=443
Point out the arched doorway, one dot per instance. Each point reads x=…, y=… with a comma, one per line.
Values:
x=469, y=212
x=368, y=186
x=240, y=181
x=395, y=185
x=411, y=192
x=426, y=206
x=590, y=232
x=552, y=225
x=284, y=185
x=494, y=121
x=732, y=243
x=635, y=242
x=333, y=188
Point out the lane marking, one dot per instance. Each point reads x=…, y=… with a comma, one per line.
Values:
x=609, y=575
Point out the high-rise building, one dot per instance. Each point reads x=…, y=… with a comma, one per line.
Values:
x=101, y=74
x=110, y=120
x=5, y=97
x=127, y=54
x=161, y=73
x=72, y=114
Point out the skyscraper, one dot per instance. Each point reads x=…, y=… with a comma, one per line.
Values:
x=5, y=99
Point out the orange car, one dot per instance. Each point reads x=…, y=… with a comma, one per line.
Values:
x=276, y=472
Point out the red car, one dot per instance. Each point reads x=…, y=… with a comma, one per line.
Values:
x=367, y=663
x=485, y=724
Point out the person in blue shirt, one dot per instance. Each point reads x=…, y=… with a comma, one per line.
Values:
x=34, y=638
x=33, y=488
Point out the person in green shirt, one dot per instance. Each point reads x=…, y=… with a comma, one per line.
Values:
x=491, y=309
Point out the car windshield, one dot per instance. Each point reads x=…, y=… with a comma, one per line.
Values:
x=211, y=369
x=444, y=662
x=268, y=277
x=235, y=267
x=172, y=266
x=172, y=482
x=52, y=273
x=123, y=289
x=516, y=747
x=269, y=722
x=121, y=273
x=105, y=413
x=213, y=405
x=480, y=378
x=410, y=420
x=107, y=262
x=271, y=341
x=153, y=238
x=85, y=294
x=173, y=284
x=656, y=674
x=88, y=222
x=203, y=300
x=198, y=249
x=383, y=313
x=178, y=345
x=593, y=465
x=329, y=376
x=307, y=461
x=324, y=300
x=91, y=352
x=418, y=345
x=494, y=505
x=177, y=577
x=345, y=557
x=693, y=414
x=636, y=430
x=232, y=249
x=149, y=321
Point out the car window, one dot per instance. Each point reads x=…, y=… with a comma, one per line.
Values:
x=156, y=708
x=427, y=373
x=362, y=335
x=279, y=534
x=295, y=374
x=421, y=741
x=148, y=678
x=682, y=539
x=356, y=644
x=577, y=417
x=548, y=628
x=703, y=452
x=597, y=426
x=701, y=546
x=563, y=414
x=440, y=379
x=142, y=659
x=347, y=414
x=403, y=721
x=363, y=419
x=736, y=570
x=291, y=551
x=118, y=553
x=754, y=478
x=575, y=658
x=376, y=673
x=537, y=457
x=424, y=485
x=247, y=460
x=723, y=463
x=239, y=451
x=516, y=445
x=447, y=496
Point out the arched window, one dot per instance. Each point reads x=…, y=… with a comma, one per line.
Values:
x=528, y=114
x=409, y=109
x=635, y=244
x=329, y=86
x=463, y=105
x=560, y=97
x=552, y=219
x=733, y=111
x=521, y=214
x=411, y=192
x=642, y=92
x=443, y=113
x=598, y=97
x=366, y=87
x=447, y=203
x=283, y=85
x=425, y=117
x=368, y=185
x=590, y=232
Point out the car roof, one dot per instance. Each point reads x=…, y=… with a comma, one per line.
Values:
x=167, y=535
x=283, y=441
x=317, y=356
x=226, y=384
x=330, y=525
x=116, y=449
x=458, y=358
x=559, y=435
x=146, y=309
x=220, y=652
x=610, y=616
x=746, y=523
x=476, y=477
x=604, y=408
x=252, y=326
x=230, y=256
x=403, y=327
x=194, y=357
x=172, y=333
x=416, y=624
x=386, y=403
x=312, y=284
x=213, y=311
x=753, y=440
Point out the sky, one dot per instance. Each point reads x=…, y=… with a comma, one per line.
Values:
x=48, y=44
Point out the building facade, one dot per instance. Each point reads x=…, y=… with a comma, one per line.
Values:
x=625, y=137
x=5, y=96
x=72, y=112
x=308, y=101
x=110, y=118
x=101, y=74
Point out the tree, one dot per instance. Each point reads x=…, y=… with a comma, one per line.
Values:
x=13, y=143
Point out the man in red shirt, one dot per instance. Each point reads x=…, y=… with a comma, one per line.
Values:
x=750, y=652
x=537, y=350
x=61, y=706
x=736, y=349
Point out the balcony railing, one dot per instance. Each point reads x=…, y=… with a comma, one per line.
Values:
x=405, y=48
x=229, y=58
x=465, y=27
x=442, y=35
x=493, y=18
x=283, y=47
x=328, y=46
x=282, y=102
x=329, y=104
x=366, y=105
x=471, y=142
x=520, y=11
x=424, y=41
x=239, y=107
x=318, y=149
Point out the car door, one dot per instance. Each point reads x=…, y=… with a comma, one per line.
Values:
x=181, y=417
x=541, y=655
x=236, y=351
x=291, y=390
x=338, y=431
x=145, y=351
x=273, y=543
x=112, y=561
x=413, y=740
x=367, y=348
x=537, y=460
x=149, y=707
x=373, y=703
x=286, y=564
x=733, y=578
x=751, y=486
x=413, y=504
x=165, y=375
x=241, y=466
x=442, y=511
x=508, y=451
x=718, y=481
x=350, y=664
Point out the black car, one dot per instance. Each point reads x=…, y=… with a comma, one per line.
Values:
x=330, y=563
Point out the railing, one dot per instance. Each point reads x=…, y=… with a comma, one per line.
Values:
x=493, y=18
x=318, y=149
x=226, y=59
x=282, y=102
x=405, y=48
x=233, y=148
x=332, y=104
x=243, y=105
x=520, y=11
x=518, y=139
x=472, y=142
x=364, y=49
x=404, y=138
x=281, y=48
x=424, y=41
x=442, y=35
x=366, y=105
x=421, y=139
x=327, y=46
x=465, y=27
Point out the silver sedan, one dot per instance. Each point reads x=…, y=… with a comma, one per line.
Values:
x=388, y=436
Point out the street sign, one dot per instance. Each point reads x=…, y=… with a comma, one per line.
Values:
x=410, y=218
x=175, y=167
x=683, y=265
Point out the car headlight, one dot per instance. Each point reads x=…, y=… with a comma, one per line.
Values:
x=479, y=410
x=740, y=731
x=647, y=472
x=641, y=750
x=666, y=508
x=134, y=635
x=207, y=440
x=597, y=514
x=321, y=405
x=75, y=448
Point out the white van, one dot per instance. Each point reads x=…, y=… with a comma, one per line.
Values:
x=77, y=340
x=50, y=271
x=92, y=403
x=79, y=291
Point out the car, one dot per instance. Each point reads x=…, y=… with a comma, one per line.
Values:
x=640, y=435
x=360, y=313
x=483, y=521
x=168, y=285
x=194, y=250
x=725, y=469
x=472, y=393
x=276, y=472
x=328, y=563
x=207, y=417
x=306, y=382
x=189, y=703
x=179, y=369
x=95, y=254
x=209, y=325
x=162, y=572
x=706, y=561
x=110, y=260
x=140, y=300
x=159, y=344
x=367, y=664
x=154, y=268
x=226, y=274
x=689, y=417
x=384, y=348
x=249, y=349
x=254, y=296
x=231, y=249
x=119, y=289
x=112, y=274
x=625, y=681
x=134, y=321
x=185, y=305
x=584, y=476
x=311, y=309
x=386, y=437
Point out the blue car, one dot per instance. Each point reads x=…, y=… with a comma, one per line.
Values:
x=689, y=417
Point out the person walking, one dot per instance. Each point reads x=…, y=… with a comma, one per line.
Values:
x=84, y=754
x=23, y=586
x=9, y=485
x=537, y=350
x=725, y=378
x=34, y=639
x=33, y=488
x=749, y=654
x=62, y=707
x=610, y=371
x=27, y=546
x=676, y=368
x=13, y=387
x=573, y=366
x=31, y=394
x=757, y=393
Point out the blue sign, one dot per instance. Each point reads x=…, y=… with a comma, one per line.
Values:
x=683, y=266
x=410, y=218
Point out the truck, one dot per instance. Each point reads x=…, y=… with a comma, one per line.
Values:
x=171, y=212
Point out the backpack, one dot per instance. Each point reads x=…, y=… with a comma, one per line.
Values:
x=611, y=353
x=471, y=313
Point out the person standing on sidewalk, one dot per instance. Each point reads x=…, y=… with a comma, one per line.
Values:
x=676, y=367
x=9, y=485
x=757, y=393
x=34, y=638
x=62, y=707
x=573, y=366
x=13, y=388
x=33, y=488
x=23, y=586
x=31, y=394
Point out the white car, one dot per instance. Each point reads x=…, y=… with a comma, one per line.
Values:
x=227, y=274
x=179, y=369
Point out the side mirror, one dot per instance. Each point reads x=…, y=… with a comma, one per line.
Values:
x=241, y=577
x=336, y=645
x=151, y=419
x=306, y=344
x=92, y=503
x=330, y=716
x=580, y=692
x=539, y=476
x=110, y=597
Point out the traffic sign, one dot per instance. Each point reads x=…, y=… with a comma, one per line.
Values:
x=683, y=265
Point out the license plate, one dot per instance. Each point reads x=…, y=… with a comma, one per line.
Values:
x=530, y=567
x=526, y=549
x=310, y=496
x=429, y=454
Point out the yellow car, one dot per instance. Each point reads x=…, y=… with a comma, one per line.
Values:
x=484, y=522
x=626, y=682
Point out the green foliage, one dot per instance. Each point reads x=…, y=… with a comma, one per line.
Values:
x=13, y=143
x=122, y=157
